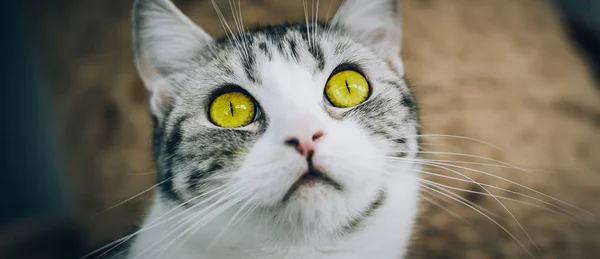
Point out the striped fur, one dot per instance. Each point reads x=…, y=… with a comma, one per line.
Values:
x=284, y=68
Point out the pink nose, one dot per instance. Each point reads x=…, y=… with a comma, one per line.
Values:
x=304, y=145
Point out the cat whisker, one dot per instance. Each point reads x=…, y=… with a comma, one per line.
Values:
x=150, y=225
x=473, y=140
x=492, y=195
x=433, y=145
x=504, y=198
x=182, y=222
x=316, y=18
x=329, y=10
x=424, y=161
x=236, y=12
x=242, y=22
x=246, y=215
x=483, y=214
x=201, y=220
x=228, y=29
x=461, y=198
x=457, y=162
x=457, y=137
x=483, y=209
x=222, y=208
x=512, y=192
x=441, y=165
x=466, y=155
x=241, y=15
x=149, y=189
x=135, y=196
x=233, y=7
x=144, y=174
x=491, y=214
x=452, y=213
x=231, y=222
x=222, y=19
x=305, y=7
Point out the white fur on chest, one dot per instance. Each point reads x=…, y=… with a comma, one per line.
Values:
x=385, y=235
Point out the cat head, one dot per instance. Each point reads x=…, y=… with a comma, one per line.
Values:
x=298, y=123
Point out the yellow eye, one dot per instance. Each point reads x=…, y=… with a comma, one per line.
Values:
x=347, y=88
x=232, y=110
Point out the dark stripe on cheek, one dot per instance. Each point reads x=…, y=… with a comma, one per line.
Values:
x=198, y=175
x=357, y=221
x=157, y=135
x=400, y=140
x=409, y=101
x=175, y=138
x=166, y=178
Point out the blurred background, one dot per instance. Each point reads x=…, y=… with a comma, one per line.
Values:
x=522, y=74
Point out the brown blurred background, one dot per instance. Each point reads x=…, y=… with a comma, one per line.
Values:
x=501, y=71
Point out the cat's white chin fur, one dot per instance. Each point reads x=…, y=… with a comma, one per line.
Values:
x=384, y=235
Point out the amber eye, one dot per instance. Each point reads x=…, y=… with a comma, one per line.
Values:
x=232, y=110
x=347, y=88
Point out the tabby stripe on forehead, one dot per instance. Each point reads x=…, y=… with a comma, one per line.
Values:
x=248, y=62
x=173, y=142
x=317, y=53
x=294, y=49
x=265, y=49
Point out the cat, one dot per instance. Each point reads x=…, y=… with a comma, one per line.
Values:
x=284, y=141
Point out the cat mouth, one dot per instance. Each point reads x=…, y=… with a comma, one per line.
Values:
x=311, y=178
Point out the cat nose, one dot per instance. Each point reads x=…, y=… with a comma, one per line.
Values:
x=304, y=145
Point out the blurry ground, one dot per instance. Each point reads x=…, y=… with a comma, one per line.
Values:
x=500, y=71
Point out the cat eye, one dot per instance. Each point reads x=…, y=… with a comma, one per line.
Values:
x=347, y=88
x=232, y=110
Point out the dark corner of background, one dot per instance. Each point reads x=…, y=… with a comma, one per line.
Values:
x=32, y=183
x=582, y=19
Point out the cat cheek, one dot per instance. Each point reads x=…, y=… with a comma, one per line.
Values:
x=350, y=158
x=268, y=171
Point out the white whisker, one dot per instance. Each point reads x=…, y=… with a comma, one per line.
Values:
x=509, y=191
x=464, y=162
x=135, y=196
x=329, y=9
x=205, y=219
x=305, y=6
x=149, y=226
x=231, y=222
x=228, y=29
x=493, y=196
x=464, y=199
x=183, y=221
x=467, y=155
x=512, y=182
x=459, y=137
x=501, y=197
x=432, y=201
x=488, y=217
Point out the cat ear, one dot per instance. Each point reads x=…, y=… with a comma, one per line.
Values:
x=164, y=40
x=375, y=22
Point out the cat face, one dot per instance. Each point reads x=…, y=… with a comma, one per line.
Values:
x=294, y=123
